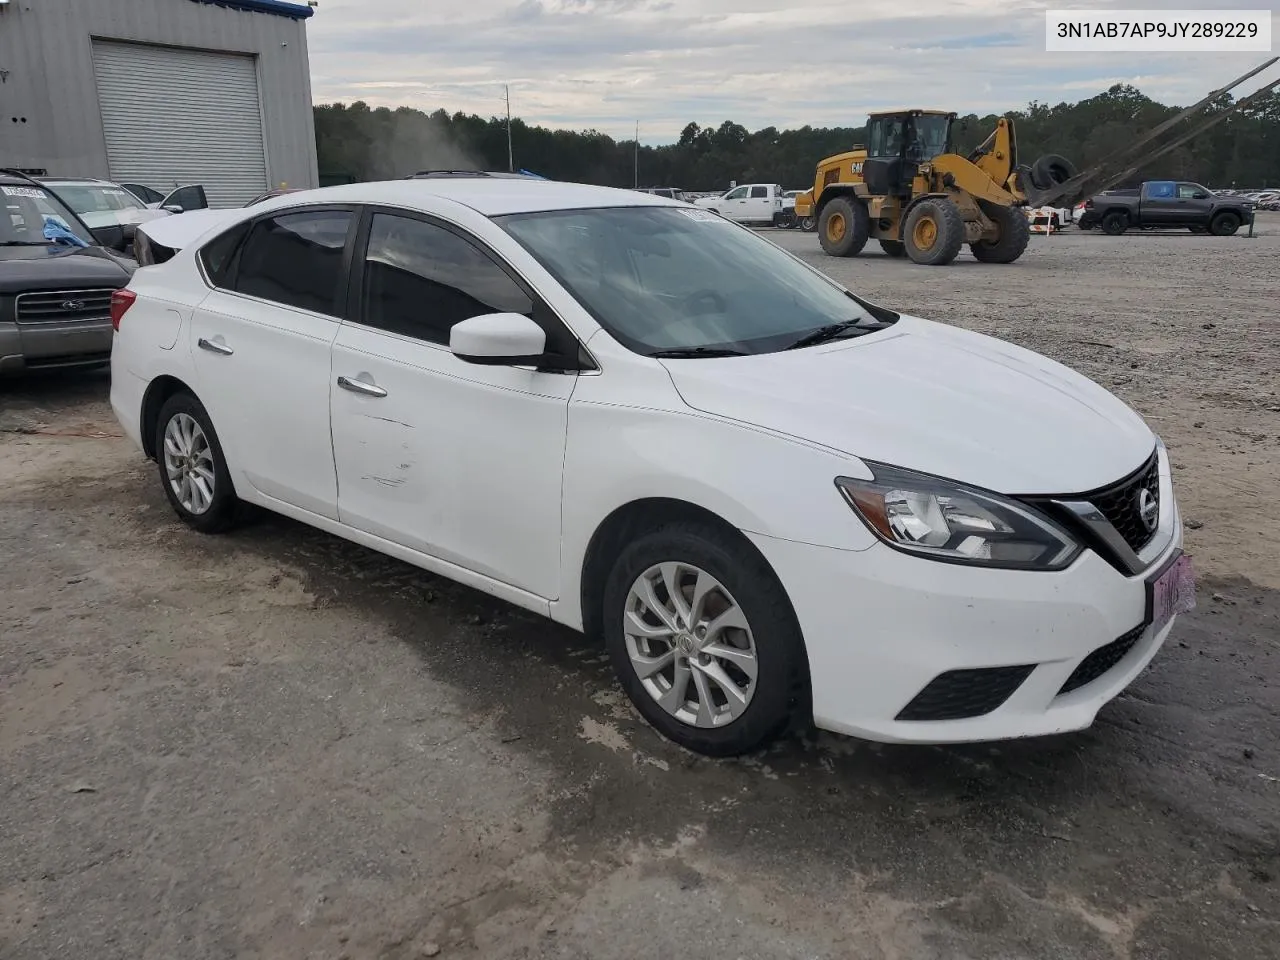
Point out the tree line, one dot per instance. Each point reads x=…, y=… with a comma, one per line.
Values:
x=357, y=142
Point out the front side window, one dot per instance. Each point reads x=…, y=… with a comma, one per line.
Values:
x=420, y=279
x=1191, y=191
x=673, y=279
x=145, y=194
x=739, y=193
x=296, y=260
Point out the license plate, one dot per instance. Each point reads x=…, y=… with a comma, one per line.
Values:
x=1172, y=592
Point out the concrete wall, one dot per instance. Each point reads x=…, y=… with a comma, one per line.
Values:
x=46, y=77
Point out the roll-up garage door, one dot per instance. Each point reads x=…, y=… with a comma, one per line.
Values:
x=174, y=117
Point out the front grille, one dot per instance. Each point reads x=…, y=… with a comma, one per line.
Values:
x=1101, y=660
x=1121, y=504
x=961, y=694
x=64, y=306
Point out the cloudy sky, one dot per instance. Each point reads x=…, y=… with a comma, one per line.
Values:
x=609, y=63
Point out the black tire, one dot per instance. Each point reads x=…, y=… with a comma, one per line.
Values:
x=1051, y=170
x=781, y=679
x=1115, y=223
x=1015, y=234
x=843, y=227
x=224, y=507
x=1084, y=226
x=947, y=232
x=894, y=248
x=808, y=224
x=1225, y=224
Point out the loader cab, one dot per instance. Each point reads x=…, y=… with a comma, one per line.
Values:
x=898, y=142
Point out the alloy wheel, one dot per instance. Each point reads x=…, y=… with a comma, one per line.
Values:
x=690, y=644
x=188, y=463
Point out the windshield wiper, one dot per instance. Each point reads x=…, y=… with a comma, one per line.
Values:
x=26, y=243
x=832, y=331
x=684, y=353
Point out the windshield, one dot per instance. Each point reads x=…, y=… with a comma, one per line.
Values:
x=674, y=279
x=931, y=134
x=98, y=204
x=32, y=215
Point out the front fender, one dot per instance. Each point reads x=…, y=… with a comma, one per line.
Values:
x=757, y=481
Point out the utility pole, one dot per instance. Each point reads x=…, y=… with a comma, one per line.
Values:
x=637, y=159
x=511, y=163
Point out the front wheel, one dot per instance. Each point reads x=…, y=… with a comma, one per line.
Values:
x=1012, y=236
x=843, y=227
x=934, y=232
x=808, y=224
x=703, y=639
x=192, y=468
x=1224, y=224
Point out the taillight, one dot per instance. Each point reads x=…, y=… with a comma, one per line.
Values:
x=121, y=301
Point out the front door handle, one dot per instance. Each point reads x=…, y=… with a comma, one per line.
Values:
x=215, y=346
x=361, y=386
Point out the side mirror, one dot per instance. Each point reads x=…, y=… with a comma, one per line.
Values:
x=1202, y=195
x=173, y=208
x=498, y=339
x=111, y=237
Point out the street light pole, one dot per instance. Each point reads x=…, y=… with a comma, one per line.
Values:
x=636, y=184
x=511, y=163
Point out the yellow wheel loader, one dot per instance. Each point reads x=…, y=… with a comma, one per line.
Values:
x=907, y=190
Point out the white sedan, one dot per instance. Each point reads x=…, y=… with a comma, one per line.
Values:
x=774, y=500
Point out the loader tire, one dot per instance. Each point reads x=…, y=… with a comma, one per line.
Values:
x=934, y=232
x=894, y=248
x=1051, y=170
x=843, y=227
x=1115, y=223
x=1015, y=234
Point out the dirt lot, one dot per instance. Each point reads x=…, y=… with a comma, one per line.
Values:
x=274, y=744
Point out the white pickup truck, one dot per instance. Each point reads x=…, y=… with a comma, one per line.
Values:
x=749, y=203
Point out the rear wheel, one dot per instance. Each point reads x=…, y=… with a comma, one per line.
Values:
x=1224, y=224
x=1012, y=239
x=843, y=227
x=894, y=248
x=1115, y=223
x=192, y=468
x=934, y=232
x=808, y=224
x=703, y=639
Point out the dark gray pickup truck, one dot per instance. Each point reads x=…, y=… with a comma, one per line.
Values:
x=1166, y=205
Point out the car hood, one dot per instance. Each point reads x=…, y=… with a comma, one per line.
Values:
x=29, y=269
x=932, y=398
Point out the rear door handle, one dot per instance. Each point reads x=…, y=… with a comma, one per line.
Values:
x=361, y=386
x=215, y=346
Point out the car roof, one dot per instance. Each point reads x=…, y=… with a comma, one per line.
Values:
x=489, y=196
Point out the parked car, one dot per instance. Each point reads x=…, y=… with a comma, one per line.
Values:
x=102, y=203
x=1166, y=204
x=671, y=193
x=756, y=203
x=56, y=281
x=646, y=422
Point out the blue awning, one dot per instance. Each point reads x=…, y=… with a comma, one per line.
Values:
x=279, y=8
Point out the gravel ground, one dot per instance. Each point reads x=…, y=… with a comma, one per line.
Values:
x=276, y=744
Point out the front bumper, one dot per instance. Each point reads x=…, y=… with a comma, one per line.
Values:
x=55, y=345
x=880, y=626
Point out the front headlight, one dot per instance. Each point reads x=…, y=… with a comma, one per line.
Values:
x=947, y=521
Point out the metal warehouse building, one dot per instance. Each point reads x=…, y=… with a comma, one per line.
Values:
x=159, y=92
